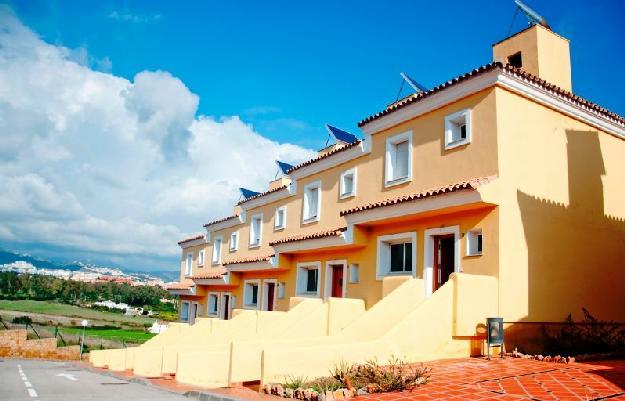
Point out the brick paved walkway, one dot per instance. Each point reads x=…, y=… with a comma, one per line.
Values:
x=516, y=380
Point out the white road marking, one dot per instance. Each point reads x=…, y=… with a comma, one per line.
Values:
x=67, y=376
x=27, y=384
x=32, y=393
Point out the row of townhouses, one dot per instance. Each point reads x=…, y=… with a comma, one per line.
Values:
x=500, y=172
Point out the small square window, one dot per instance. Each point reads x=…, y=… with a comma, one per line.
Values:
x=308, y=279
x=280, y=218
x=354, y=274
x=250, y=296
x=474, y=243
x=401, y=257
x=200, y=258
x=458, y=129
x=347, y=183
x=516, y=60
x=234, y=241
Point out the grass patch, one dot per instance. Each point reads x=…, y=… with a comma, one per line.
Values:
x=134, y=336
x=71, y=311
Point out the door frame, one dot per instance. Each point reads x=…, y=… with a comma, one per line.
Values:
x=226, y=312
x=265, y=300
x=428, y=254
x=327, y=289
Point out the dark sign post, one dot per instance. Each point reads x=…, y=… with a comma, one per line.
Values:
x=494, y=334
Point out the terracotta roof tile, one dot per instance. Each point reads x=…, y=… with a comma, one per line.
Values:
x=210, y=223
x=209, y=274
x=262, y=194
x=322, y=234
x=179, y=286
x=489, y=67
x=266, y=258
x=324, y=156
x=468, y=184
x=189, y=239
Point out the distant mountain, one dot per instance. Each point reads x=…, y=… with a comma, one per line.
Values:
x=7, y=257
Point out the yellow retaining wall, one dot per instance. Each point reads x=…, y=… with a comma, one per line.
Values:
x=425, y=334
x=223, y=365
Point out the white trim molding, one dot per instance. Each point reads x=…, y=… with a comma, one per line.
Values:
x=255, y=244
x=208, y=303
x=428, y=252
x=279, y=209
x=331, y=161
x=382, y=266
x=452, y=128
x=247, y=294
x=216, y=254
x=327, y=291
x=353, y=172
x=265, y=301
x=306, y=202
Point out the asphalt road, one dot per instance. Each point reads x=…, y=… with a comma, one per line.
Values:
x=31, y=380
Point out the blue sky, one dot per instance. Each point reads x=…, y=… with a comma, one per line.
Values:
x=290, y=67
x=118, y=117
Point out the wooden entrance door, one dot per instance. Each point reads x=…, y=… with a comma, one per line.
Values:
x=271, y=291
x=226, y=307
x=337, y=281
x=444, y=257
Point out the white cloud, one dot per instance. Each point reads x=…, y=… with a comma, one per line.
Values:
x=126, y=16
x=91, y=161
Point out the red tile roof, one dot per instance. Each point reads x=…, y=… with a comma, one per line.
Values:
x=329, y=233
x=248, y=260
x=463, y=185
x=262, y=194
x=178, y=286
x=189, y=239
x=209, y=274
x=572, y=98
x=323, y=156
x=210, y=223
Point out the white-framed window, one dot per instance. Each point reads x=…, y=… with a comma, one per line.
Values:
x=474, y=242
x=312, y=202
x=213, y=304
x=189, y=264
x=200, y=258
x=256, y=230
x=184, y=311
x=281, y=289
x=397, y=254
x=280, y=218
x=217, y=250
x=347, y=183
x=354, y=273
x=234, y=241
x=398, y=165
x=458, y=129
x=251, y=292
x=308, y=275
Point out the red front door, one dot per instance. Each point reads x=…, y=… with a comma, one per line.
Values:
x=337, y=281
x=271, y=289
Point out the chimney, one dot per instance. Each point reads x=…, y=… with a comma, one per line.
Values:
x=539, y=51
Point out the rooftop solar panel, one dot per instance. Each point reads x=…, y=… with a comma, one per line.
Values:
x=284, y=167
x=340, y=135
x=247, y=193
x=415, y=85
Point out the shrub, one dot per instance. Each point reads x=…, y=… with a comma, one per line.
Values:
x=295, y=382
x=26, y=320
x=590, y=336
x=396, y=375
x=323, y=384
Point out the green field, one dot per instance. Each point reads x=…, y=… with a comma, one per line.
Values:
x=133, y=336
x=71, y=311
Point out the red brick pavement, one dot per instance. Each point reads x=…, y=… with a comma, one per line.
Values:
x=516, y=380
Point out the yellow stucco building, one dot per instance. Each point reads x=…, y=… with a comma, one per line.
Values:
x=497, y=193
